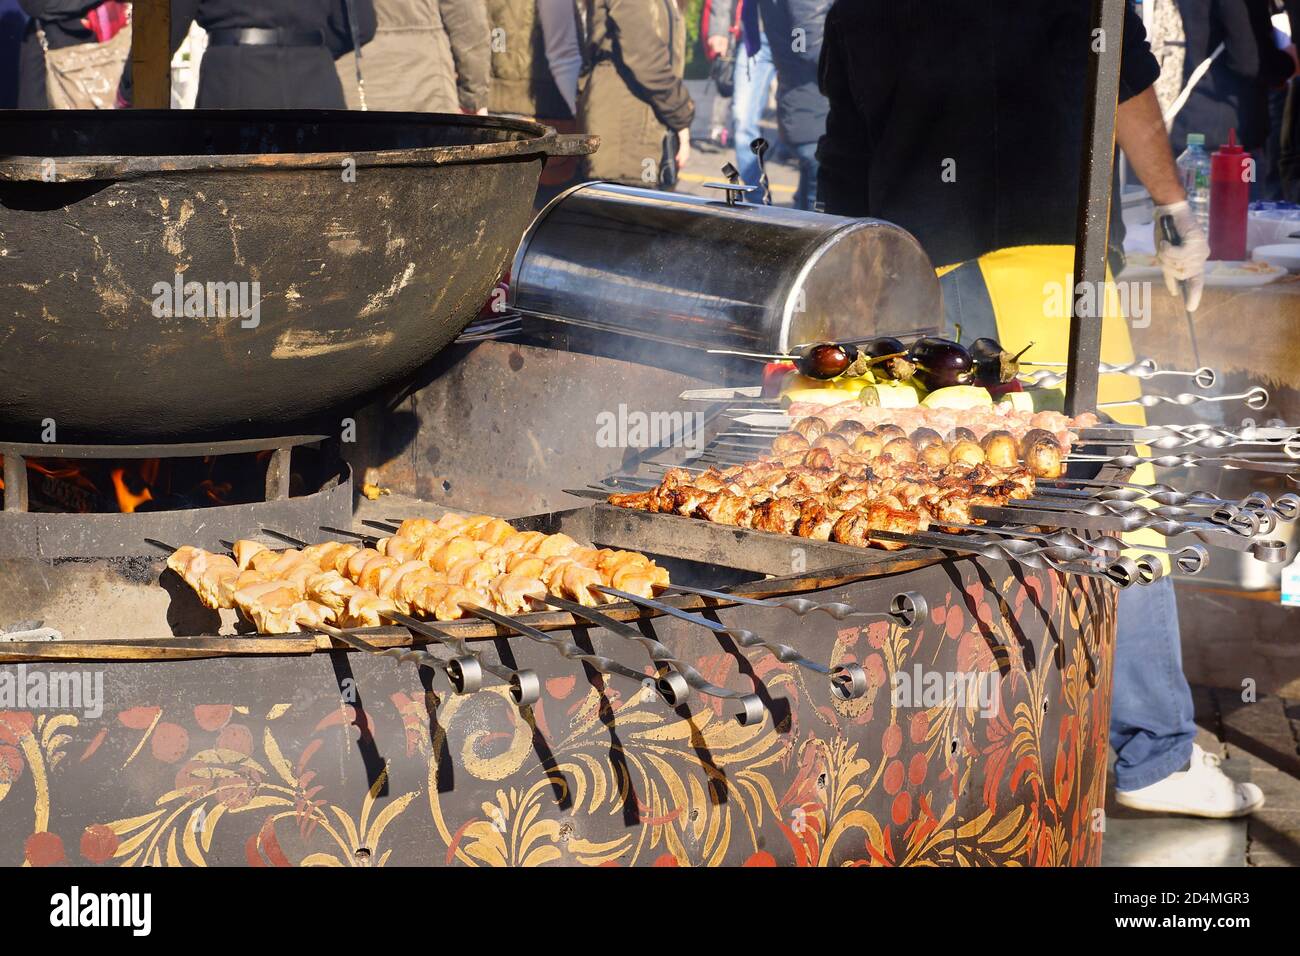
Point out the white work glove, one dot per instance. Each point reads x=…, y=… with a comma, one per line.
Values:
x=1184, y=262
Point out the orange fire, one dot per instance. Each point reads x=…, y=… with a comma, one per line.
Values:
x=127, y=500
x=125, y=485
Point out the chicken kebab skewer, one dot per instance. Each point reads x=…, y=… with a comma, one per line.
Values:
x=290, y=605
x=832, y=499
x=311, y=590
x=359, y=584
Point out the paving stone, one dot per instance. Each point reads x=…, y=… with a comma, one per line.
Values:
x=1274, y=837
x=1262, y=716
x=1151, y=840
x=1281, y=790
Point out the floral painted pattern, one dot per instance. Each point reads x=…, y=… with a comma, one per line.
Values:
x=347, y=760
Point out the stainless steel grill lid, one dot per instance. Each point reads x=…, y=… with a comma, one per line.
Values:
x=702, y=272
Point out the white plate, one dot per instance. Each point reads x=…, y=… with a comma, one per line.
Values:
x=1284, y=255
x=1218, y=275
x=1229, y=274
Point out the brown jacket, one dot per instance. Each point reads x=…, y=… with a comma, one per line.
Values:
x=427, y=55
x=521, y=77
x=634, y=93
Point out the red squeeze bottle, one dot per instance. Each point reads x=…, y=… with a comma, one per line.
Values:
x=1229, y=198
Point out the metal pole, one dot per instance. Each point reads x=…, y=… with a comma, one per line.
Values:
x=151, y=54
x=1105, y=42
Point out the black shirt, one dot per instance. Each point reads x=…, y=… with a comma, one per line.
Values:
x=962, y=120
x=270, y=77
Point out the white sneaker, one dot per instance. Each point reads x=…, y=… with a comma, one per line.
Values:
x=1202, y=790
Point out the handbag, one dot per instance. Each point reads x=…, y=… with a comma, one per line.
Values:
x=723, y=69
x=85, y=76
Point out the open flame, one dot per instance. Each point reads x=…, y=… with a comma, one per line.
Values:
x=128, y=500
x=126, y=485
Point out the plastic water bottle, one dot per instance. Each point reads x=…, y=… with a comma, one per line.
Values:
x=1194, y=165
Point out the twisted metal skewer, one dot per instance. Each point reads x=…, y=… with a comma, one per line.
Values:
x=1190, y=558
x=1204, y=436
x=1121, y=572
x=570, y=650
x=525, y=686
x=1229, y=462
x=676, y=677
x=1256, y=397
x=1287, y=506
x=1136, y=517
x=1204, y=376
x=847, y=680
x=1247, y=522
x=465, y=673
x=1248, y=519
x=905, y=608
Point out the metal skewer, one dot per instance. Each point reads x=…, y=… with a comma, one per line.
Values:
x=567, y=648
x=1168, y=437
x=905, y=608
x=1243, y=462
x=1122, y=572
x=1143, y=368
x=1287, y=506
x=847, y=681
x=1136, y=517
x=1245, y=519
x=465, y=674
x=524, y=685
x=1256, y=397
x=677, y=676
x=1189, y=558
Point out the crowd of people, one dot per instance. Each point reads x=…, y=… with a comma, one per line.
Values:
x=615, y=67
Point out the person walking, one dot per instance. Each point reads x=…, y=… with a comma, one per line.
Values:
x=979, y=157
x=1246, y=65
x=633, y=96
x=753, y=81
x=522, y=81
x=794, y=34
x=427, y=56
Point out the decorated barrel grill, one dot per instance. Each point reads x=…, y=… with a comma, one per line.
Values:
x=240, y=671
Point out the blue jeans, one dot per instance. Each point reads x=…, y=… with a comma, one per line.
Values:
x=754, y=78
x=1151, y=726
x=805, y=196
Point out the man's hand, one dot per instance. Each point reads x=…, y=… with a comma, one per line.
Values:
x=683, y=148
x=717, y=46
x=1185, y=262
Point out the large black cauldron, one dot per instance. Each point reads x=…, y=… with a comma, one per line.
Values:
x=325, y=253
